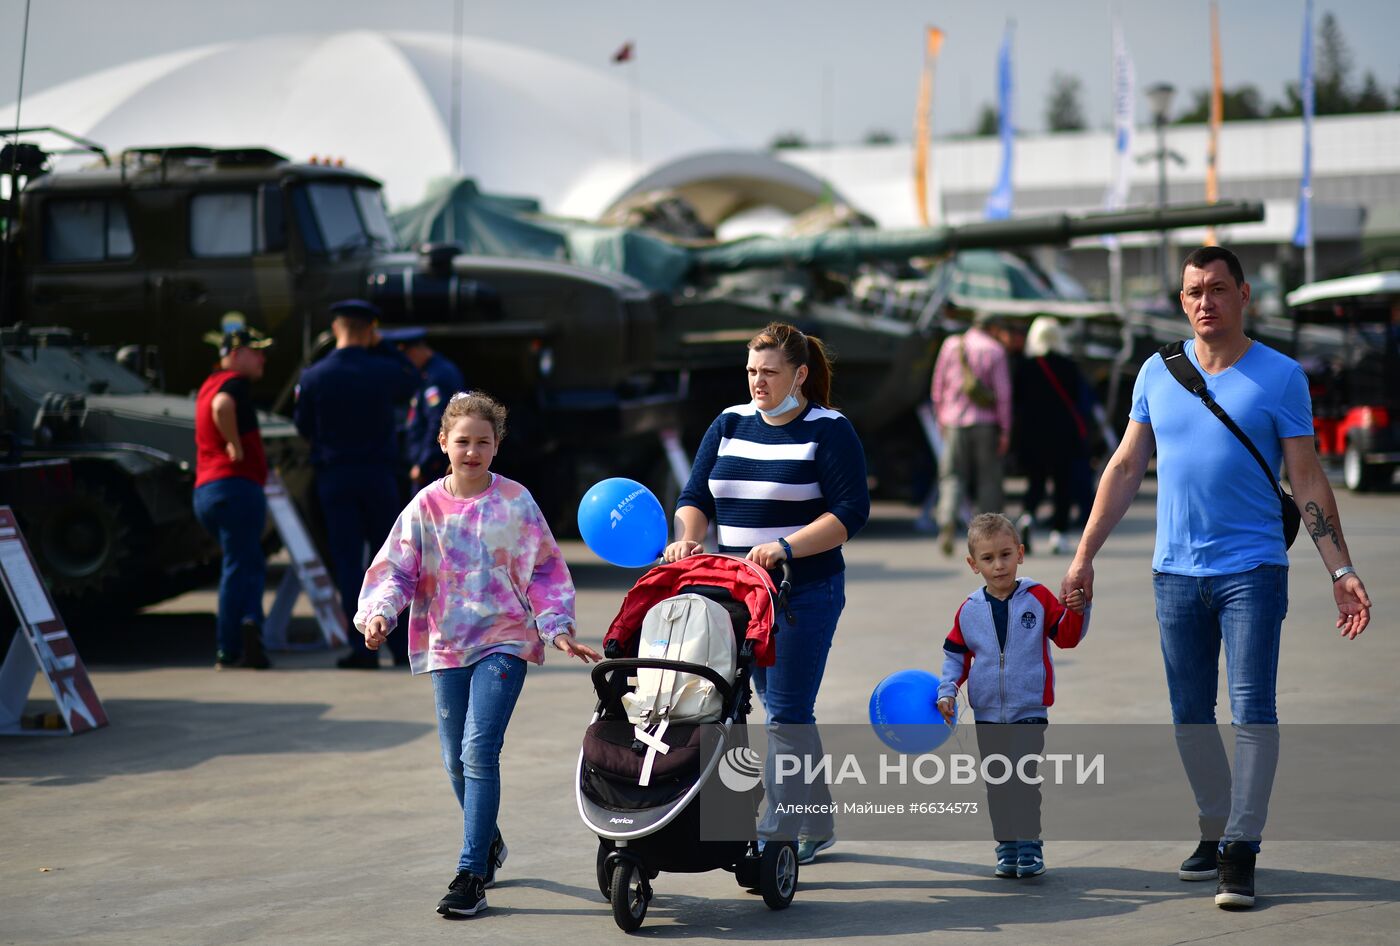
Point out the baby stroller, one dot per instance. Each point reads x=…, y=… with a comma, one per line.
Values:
x=664, y=721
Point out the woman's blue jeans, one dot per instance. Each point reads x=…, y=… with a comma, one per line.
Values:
x=788, y=690
x=474, y=705
x=1245, y=612
x=234, y=511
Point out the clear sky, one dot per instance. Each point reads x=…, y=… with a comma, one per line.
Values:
x=754, y=68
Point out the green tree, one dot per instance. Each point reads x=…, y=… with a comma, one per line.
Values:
x=987, y=123
x=1064, y=110
x=879, y=136
x=1332, y=81
x=788, y=139
x=1241, y=103
x=1371, y=98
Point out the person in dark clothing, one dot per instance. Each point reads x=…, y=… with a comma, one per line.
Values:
x=1052, y=430
x=345, y=407
x=230, y=470
x=440, y=379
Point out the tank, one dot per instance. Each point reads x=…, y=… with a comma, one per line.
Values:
x=120, y=458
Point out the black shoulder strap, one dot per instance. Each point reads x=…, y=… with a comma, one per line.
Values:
x=1174, y=357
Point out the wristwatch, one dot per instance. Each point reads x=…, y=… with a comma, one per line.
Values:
x=1342, y=572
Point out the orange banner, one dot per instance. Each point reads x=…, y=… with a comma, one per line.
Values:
x=1217, y=114
x=923, y=123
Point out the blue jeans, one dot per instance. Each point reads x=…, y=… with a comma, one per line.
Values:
x=360, y=505
x=234, y=511
x=1245, y=611
x=788, y=690
x=474, y=705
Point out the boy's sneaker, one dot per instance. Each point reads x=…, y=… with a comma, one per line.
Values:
x=1203, y=864
x=1030, y=860
x=495, y=857
x=1236, y=888
x=466, y=896
x=807, y=848
x=1007, y=854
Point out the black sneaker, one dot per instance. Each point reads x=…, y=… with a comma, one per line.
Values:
x=495, y=857
x=358, y=661
x=225, y=661
x=1202, y=864
x=1236, y=888
x=466, y=896
x=254, y=656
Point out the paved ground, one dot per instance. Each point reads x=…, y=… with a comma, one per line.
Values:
x=308, y=805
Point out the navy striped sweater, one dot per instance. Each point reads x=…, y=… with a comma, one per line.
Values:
x=758, y=481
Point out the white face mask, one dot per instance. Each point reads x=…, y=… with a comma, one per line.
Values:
x=789, y=403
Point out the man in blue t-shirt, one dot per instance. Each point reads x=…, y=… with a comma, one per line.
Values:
x=1220, y=568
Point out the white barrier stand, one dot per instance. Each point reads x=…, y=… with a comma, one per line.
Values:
x=307, y=574
x=41, y=645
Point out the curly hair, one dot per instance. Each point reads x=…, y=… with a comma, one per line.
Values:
x=475, y=404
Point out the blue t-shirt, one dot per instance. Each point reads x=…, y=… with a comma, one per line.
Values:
x=1216, y=512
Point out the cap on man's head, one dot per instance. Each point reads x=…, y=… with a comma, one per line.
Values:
x=236, y=338
x=357, y=309
x=408, y=336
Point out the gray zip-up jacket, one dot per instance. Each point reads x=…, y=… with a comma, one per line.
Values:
x=1018, y=682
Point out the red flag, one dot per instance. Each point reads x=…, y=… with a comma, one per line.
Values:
x=624, y=53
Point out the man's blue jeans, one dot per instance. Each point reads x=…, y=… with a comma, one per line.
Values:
x=1244, y=611
x=234, y=511
x=474, y=706
x=788, y=690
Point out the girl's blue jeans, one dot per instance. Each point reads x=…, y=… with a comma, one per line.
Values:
x=474, y=705
x=1245, y=612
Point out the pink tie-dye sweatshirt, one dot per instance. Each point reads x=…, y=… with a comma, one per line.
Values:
x=482, y=575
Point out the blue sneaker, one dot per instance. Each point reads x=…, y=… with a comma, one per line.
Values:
x=807, y=848
x=1006, y=858
x=1029, y=859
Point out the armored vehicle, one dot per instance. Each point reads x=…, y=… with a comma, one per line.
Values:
x=122, y=533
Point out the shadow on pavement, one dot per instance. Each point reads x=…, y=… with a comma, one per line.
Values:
x=951, y=904
x=173, y=735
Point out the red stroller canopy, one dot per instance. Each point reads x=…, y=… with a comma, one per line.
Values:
x=748, y=583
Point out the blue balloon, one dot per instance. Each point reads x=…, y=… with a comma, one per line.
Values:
x=904, y=712
x=622, y=522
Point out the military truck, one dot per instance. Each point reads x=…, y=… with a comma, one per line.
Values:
x=153, y=247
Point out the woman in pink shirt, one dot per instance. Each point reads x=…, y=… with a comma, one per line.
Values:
x=487, y=588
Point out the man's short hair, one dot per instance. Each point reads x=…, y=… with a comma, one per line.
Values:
x=1203, y=256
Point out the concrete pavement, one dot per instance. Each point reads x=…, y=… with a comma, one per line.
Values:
x=309, y=805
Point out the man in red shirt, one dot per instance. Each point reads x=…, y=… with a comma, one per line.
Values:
x=230, y=470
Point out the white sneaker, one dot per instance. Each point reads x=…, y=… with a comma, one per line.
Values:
x=1057, y=543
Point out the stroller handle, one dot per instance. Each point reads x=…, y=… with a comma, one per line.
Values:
x=601, y=672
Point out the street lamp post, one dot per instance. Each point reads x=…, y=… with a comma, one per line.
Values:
x=1160, y=96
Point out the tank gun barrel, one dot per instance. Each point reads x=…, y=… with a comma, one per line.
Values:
x=849, y=247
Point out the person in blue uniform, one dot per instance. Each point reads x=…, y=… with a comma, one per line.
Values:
x=440, y=380
x=346, y=408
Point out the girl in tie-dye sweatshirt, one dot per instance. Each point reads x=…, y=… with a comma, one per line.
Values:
x=487, y=588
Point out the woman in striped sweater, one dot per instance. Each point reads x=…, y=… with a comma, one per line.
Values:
x=783, y=479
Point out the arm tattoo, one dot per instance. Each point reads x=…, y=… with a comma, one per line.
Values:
x=1321, y=526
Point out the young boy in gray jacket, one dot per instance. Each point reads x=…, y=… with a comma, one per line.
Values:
x=1000, y=647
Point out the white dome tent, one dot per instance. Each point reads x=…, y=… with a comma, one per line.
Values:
x=531, y=123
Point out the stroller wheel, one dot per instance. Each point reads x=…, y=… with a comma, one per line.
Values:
x=630, y=895
x=777, y=878
x=604, y=877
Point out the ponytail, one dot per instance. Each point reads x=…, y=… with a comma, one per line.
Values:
x=799, y=349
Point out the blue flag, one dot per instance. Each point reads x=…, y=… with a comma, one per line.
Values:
x=999, y=200
x=1302, y=236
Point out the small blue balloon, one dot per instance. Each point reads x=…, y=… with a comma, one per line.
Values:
x=622, y=522
x=904, y=712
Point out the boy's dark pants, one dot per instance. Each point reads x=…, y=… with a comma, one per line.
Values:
x=1014, y=805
